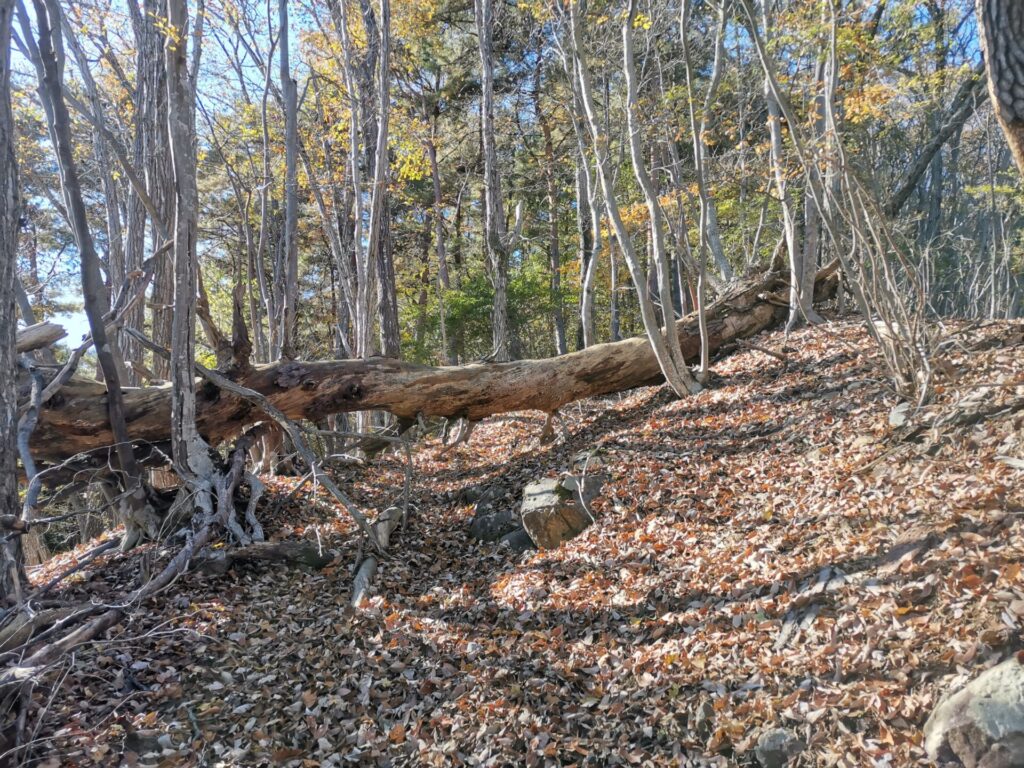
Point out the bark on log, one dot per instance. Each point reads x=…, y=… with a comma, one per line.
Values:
x=75, y=420
x=38, y=336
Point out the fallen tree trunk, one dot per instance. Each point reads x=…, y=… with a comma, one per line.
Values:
x=75, y=419
x=38, y=336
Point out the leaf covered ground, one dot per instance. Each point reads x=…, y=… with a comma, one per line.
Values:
x=766, y=553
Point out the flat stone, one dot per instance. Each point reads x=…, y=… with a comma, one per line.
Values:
x=899, y=414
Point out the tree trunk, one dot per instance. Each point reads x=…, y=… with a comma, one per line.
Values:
x=588, y=221
x=435, y=178
x=11, y=567
x=614, y=313
x=665, y=345
x=494, y=206
x=443, y=280
x=191, y=459
x=116, y=269
x=812, y=217
x=961, y=108
x=1002, y=36
x=151, y=124
x=291, y=189
x=554, y=252
x=420, y=326
x=379, y=239
x=362, y=320
x=387, y=287
x=798, y=302
x=75, y=419
x=48, y=56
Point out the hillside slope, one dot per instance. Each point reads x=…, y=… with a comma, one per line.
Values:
x=765, y=554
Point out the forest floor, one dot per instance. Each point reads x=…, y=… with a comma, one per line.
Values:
x=767, y=553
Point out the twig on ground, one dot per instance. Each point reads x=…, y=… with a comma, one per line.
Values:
x=743, y=343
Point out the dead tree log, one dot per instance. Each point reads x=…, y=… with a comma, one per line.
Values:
x=38, y=335
x=75, y=421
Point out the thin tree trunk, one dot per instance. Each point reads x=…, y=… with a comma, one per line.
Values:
x=379, y=236
x=387, y=288
x=614, y=318
x=362, y=316
x=151, y=120
x=12, y=574
x=334, y=221
x=291, y=192
x=554, y=251
x=443, y=279
x=494, y=206
x=589, y=237
x=420, y=327
x=116, y=267
x=708, y=224
x=189, y=451
x=789, y=221
x=664, y=342
x=435, y=178
x=270, y=291
x=961, y=108
x=48, y=55
x=588, y=219
x=812, y=216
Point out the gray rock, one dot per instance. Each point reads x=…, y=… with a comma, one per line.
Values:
x=982, y=724
x=491, y=526
x=776, y=747
x=475, y=494
x=518, y=541
x=493, y=517
x=554, y=511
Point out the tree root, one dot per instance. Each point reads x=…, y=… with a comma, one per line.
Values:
x=293, y=552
